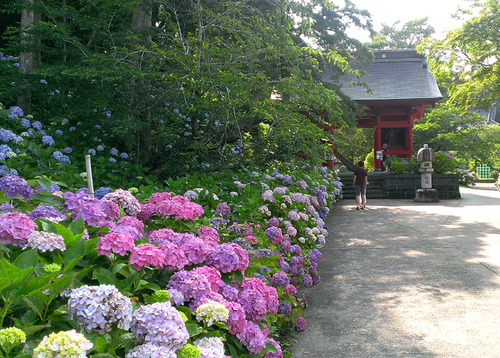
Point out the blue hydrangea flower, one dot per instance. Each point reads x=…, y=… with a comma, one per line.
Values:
x=25, y=123
x=59, y=132
x=114, y=151
x=18, y=139
x=61, y=158
x=91, y=151
x=97, y=126
x=100, y=148
x=64, y=121
x=6, y=171
x=47, y=140
x=72, y=129
x=124, y=155
x=67, y=150
x=112, y=160
x=99, y=193
x=37, y=125
x=43, y=82
x=15, y=112
x=176, y=111
x=6, y=135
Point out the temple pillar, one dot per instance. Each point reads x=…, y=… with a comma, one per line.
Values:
x=377, y=143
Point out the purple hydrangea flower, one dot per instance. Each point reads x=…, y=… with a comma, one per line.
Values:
x=150, y=350
x=223, y=209
x=280, y=279
x=285, y=308
x=252, y=337
x=15, y=186
x=228, y=257
x=48, y=212
x=274, y=234
x=300, y=324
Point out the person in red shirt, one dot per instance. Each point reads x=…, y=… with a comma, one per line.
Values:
x=359, y=183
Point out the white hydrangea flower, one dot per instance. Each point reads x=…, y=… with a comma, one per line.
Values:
x=212, y=312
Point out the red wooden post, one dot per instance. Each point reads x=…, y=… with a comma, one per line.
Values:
x=377, y=143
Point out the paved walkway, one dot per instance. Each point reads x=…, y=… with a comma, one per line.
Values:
x=407, y=279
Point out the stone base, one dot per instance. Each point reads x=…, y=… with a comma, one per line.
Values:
x=426, y=195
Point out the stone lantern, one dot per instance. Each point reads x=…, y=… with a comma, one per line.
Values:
x=426, y=156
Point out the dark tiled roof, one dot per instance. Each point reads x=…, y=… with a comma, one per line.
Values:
x=395, y=75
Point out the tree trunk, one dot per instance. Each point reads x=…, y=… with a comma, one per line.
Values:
x=28, y=59
x=348, y=164
x=142, y=21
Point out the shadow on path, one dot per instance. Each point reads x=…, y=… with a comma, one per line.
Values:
x=406, y=279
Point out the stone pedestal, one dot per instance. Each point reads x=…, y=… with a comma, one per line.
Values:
x=426, y=195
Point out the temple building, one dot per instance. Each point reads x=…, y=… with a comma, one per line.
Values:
x=398, y=89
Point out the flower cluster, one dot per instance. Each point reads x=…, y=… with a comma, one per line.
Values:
x=210, y=347
x=160, y=324
x=125, y=200
x=146, y=255
x=97, y=308
x=15, y=227
x=119, y=243
x=211, y=312
x=46, y=241
x=68, y=344
x=15, y=186
x=150, y=350
x=11, y=337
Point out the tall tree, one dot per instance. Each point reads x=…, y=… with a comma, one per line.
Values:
x=399, y=36
x=466, y=60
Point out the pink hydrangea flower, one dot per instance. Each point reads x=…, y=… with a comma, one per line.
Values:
x=119, y=243
x=15, y=227
x=257, y=298
x=237, y=319
x=147, y=212
x=208, y=234
x=174, y=257
x=182, y=208
x=146, y=255
x=277, y=354
x=291, y=231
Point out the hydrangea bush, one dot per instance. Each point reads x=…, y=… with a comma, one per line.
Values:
x=206, y=265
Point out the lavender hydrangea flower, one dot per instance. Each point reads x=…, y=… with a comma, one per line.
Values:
x=124, y=155
x=285, y=308
x=97, y=308
x=113, y=151
x=228, y=257
x=160, y=324
x=46, y=241
x=150, y=350
x=210, y=347
x=91, y=151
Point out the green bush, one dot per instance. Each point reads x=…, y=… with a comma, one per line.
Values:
x=445, y=163
x=399, y=165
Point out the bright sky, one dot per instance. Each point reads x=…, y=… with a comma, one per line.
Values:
x=389, y=11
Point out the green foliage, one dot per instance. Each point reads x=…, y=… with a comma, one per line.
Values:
x=399, y=165
x=398, y=36
x=464, y=61
x=467, y=136
x=190, y=90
